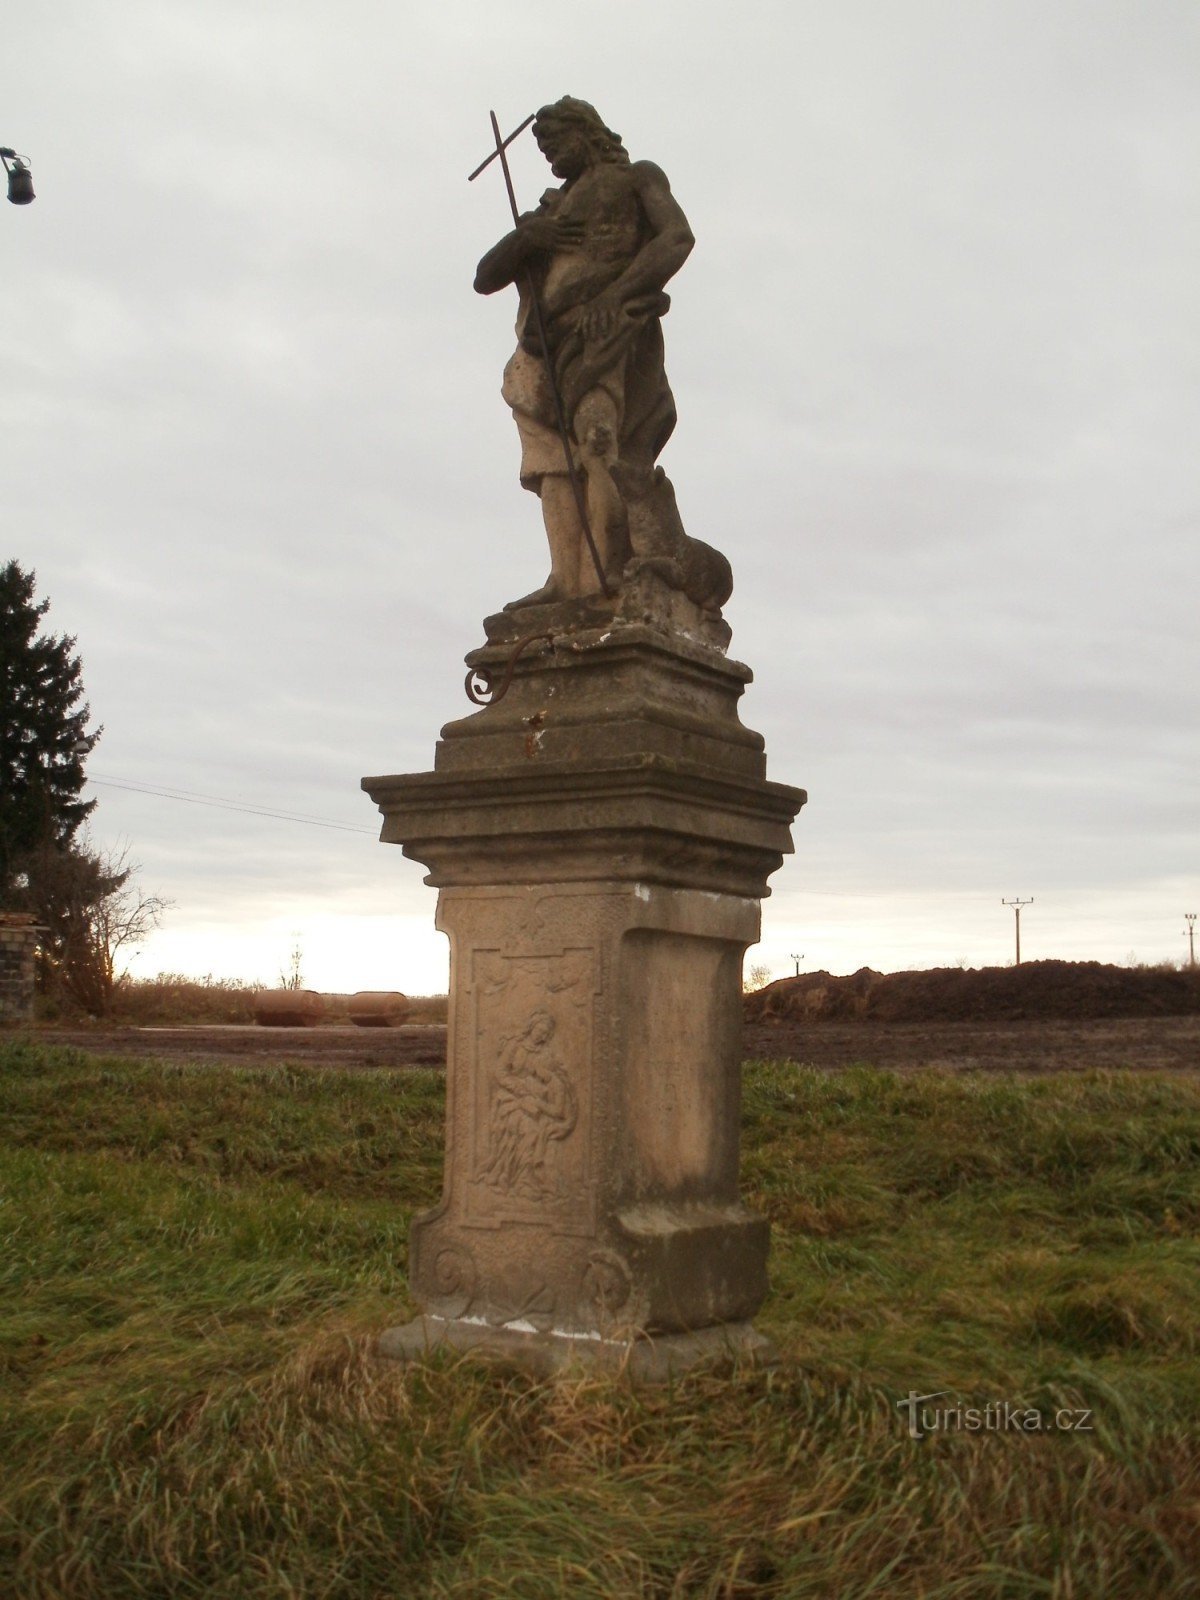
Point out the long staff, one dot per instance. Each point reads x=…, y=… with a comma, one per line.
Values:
x=539, y=318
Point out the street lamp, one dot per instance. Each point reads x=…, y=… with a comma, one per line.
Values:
x=20, y=179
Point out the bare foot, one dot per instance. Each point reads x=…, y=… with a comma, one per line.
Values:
x=546, y=595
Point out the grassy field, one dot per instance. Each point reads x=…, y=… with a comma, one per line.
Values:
x=193, y=1262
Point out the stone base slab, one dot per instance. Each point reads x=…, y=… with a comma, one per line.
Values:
x=549, y=1355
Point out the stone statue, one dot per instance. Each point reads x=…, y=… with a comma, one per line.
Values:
x=600, y=829
x=597, y=252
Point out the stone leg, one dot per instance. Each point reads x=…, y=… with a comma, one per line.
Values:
x=563, y=533
x=597, y=424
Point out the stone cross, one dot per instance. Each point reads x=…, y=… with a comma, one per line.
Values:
x=539, y=317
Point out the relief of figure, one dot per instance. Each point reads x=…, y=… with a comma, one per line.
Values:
x=597, y=252
x=533, y=1107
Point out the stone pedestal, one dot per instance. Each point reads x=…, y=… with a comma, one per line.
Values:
x=601, y=839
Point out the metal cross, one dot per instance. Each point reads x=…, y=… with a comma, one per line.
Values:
x=539, y=318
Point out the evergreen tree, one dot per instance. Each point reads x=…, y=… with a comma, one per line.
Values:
x=44, y=740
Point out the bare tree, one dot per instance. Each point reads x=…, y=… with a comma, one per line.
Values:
x=122, y=920
x=293, y=978
x=94, y=915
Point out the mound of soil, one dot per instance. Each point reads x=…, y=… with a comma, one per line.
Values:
x=1036, y=990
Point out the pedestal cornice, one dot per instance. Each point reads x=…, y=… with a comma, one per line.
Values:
x=642, y=817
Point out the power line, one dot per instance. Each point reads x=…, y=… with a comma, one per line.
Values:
x=187, y=797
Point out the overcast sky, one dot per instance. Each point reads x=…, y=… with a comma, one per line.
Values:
x=935, y=356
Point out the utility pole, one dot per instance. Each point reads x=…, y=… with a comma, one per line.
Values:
x=1190, y=930
x=799, y=958
x=1016, y=905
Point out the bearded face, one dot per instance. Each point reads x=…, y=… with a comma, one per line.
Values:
x=565, y=146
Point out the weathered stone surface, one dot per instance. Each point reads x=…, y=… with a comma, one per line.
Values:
x=624, y=689
x=587, y=383
x=601, y=838
x=592, y=1130
x=18, y=950
x=601, y=835
x=549, y=1355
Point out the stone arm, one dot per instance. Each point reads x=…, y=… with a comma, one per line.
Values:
x=660, y=258
x=535, y=234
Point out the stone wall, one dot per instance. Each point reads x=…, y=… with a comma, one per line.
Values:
x=18, y=945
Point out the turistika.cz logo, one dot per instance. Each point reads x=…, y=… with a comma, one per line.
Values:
x=998, y=1416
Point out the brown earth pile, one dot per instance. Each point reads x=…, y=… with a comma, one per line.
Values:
x=1036, y=990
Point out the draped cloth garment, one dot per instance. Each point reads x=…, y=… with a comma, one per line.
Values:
x=620, y=373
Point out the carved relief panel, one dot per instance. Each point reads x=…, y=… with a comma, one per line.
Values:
x=531, y=1035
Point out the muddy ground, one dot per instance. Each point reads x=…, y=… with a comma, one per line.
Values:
x=1138, y=1044
x=1044, y=1016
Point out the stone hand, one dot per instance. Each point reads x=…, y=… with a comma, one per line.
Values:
x=598, y=319
x=546, y=235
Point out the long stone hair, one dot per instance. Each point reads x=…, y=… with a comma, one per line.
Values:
x=604, y=143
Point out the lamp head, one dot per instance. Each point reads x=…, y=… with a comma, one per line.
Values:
x=20, y=179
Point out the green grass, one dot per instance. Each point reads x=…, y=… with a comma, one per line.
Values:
x=193, y=1262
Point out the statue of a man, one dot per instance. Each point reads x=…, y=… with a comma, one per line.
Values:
x=598, y=250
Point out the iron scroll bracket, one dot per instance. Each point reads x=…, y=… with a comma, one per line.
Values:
x=487, y=695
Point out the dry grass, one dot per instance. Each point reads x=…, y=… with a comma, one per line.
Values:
x=172, y=999
x=194, y=1263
